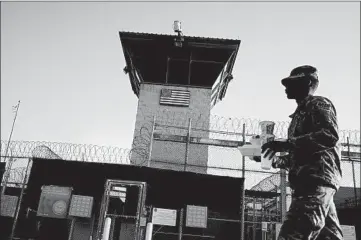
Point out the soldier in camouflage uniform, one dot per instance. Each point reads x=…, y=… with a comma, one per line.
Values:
x=313, y=161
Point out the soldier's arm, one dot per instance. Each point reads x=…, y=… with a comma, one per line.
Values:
x=325, y=129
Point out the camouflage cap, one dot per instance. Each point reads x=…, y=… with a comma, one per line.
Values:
x=301, y=73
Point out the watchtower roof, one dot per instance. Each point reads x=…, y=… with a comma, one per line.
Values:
x=198, y=61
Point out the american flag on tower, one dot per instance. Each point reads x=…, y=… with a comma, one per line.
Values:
x=175, y=97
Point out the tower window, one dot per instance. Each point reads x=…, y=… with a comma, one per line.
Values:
x=178, y=71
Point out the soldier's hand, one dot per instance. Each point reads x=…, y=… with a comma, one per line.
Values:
x=281, y=162
x=277, y=162
x=270, y=148
x=269, y=153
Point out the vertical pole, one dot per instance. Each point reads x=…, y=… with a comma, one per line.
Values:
x=112, y=227
x=187, y=143
x=264, y=230
x=139, y=210
x=106, y=230
x=18, y=206
x=6, y=152
x=100, y=218
x=167, y=72
x=254, y=219
x=180, y=227
x=189, y=68
x=7, y=174
x=283, y=194
x=149, y=232
x=243, y=157
x=151, y=143
x=353, y=170
x=92, y=227
x=263, y=210
x=103, y=209
x=244, y=179
x=71, y=229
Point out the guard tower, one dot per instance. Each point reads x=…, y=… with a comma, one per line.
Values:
x=176, y=78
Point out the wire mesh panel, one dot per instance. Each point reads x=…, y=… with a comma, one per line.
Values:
x=121, y=212
x=218, y=226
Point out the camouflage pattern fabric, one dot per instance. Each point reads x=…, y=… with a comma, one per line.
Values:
x=312, y=216
x=314, y=172
x=315, y=158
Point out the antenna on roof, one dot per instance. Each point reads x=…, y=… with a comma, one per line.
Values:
x=177, y=27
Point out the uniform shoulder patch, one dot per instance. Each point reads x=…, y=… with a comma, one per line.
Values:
x=322, y=105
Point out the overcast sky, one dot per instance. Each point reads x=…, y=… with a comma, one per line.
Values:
x=64, y=61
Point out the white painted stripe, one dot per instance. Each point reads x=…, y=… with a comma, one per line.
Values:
x=176, y=93
x=180, y=95
x=175, y=103
x=182, y=98
x=183, y=103
x=172, y=99
x=180, y=92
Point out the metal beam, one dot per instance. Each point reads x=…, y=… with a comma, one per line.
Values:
x=347, y=154
x=198, y=140
x=225, y=143
x=208, y=61
x=213, y=45
x=216, y=142
x=170, y=138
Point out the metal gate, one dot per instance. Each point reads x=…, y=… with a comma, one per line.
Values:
x=122, y=214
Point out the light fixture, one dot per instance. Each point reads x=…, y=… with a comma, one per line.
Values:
x=177, y=27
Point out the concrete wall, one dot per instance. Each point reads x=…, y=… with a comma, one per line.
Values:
x=171, y=155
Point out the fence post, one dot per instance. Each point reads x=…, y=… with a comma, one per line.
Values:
x=7, y=172
x=151, y=142
x=180, y=227
x=254, y=219
x=187, y=143
x=18, y=206
x=106, y=229
x=244, y=179
x=283, y=194
x=353, y=170
x=149, y=231
x=71, y=231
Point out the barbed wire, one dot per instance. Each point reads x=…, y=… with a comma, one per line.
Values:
x=175, y=123
x=66, y=151
x=226, y=127
x=141, y=144
x=44, y=152
x=224, y=162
